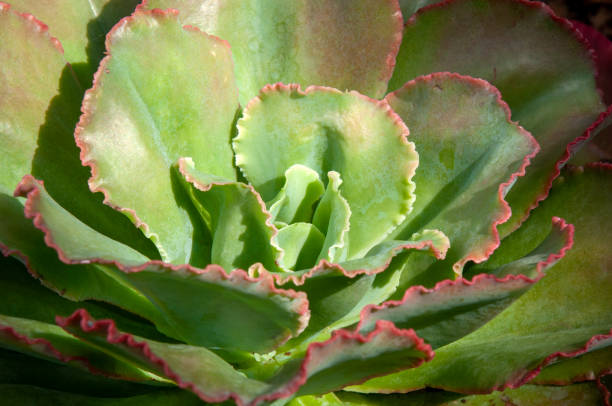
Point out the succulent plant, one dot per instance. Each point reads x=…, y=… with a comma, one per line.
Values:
x=315, y=202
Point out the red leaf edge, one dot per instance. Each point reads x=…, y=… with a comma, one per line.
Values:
x=28, y=188
x=505, y=212
x=418, y=290
x=38, y=25
x=51, y=351
x=88, y=105
x=206, y=187
x=83, y=320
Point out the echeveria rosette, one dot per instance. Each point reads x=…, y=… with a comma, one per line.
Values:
x=272, y=241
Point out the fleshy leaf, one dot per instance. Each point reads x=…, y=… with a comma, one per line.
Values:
x=326, y=365
x=295, y=201
x=80, y=26
x=50, y=342
x=470, y=155
x=534, y=263
x=517, y=347
x=596, y=143
x=333, y=217
x=39, y=107
x=301, y=243
x=24, y=97
x=589, y=366
x=336, y=301
x=543, y=70
x=138, y=121
x=79, y=243
x=239, y=224
x=453, y=309
x=198, y=306
x=346, y=45
x=195, y=368
x=327, y=130
x=409, y=7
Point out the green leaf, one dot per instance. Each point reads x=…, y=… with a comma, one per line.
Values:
x=533, y=264
x=301, y=243
x=23, y=370
x=537, y=61
x=514, y=346
x=326, y=366
x=200, y=306
x=296, y=200
x=337, y=301
x=326, y=130
x=240, y=226
x=343, y=44
x=470, y=155
x=81, y=27
x=79, y=243
x=332, y=216
x=137, y=122
x=50, y=342
x=39, y=107
x=591, y=365
x=24, y=97
x=409, y=7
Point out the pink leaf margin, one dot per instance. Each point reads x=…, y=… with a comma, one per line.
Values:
x=505, y=211
x=29, y=188
x=314, y=354
x=89, y=106
x=37, y=25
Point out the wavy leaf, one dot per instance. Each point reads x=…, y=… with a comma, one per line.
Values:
x=137, y=122
x=200, y=306
x=470, y=155
x=324, y=129
x=517, y=347
x=240, y=227
x=39, y=107
x=326, y=365
x=346, y=45
x=81, y=27
x=543, y=70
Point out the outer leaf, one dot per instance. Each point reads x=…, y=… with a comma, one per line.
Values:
x=200, y=306
x=543, y=71
x=326, y=366
x=470, y=154
x=137, y=122
x=39, y=107
x=349, y=44
x=325, y=129
x=80, y=26
x=24, y=97
x=598, y=140
x=50, y=342
x=517, y=347
x=240, y=226
x=23, y=370
x=534, y=263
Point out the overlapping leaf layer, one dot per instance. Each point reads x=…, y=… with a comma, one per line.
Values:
x=238, y=208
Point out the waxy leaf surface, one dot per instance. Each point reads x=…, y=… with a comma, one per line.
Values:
x=537, y=61
x=138, y=120
x=199, y=306
x=239, y=224
x=469, y=152
x=564, y=307
x=348, y=44
x=326, y=365
x=80, y=26
x=327, y=130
